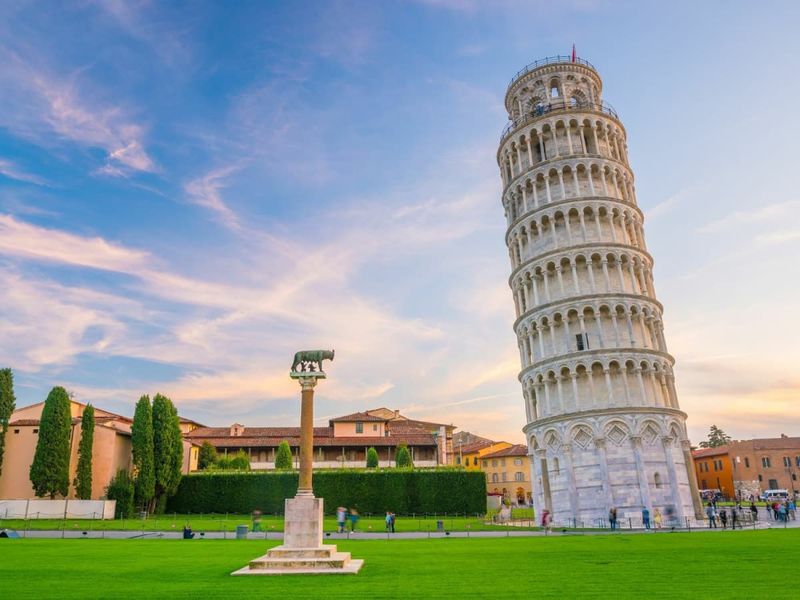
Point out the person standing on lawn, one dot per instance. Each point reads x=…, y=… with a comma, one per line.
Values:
x=712, y=516
x=657, y=518
x=353, y=516
x=646, y=517
x=341, y=518
x=753, y=511
x=612, y=517
x=723, y=518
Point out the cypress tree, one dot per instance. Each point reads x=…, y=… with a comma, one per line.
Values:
x=207, y=456
x=167, y=447
x=283, y=458
x=403, y=457
x=372, y=458
x=142, y=445
x=83, y=477
x=7, y=406
x=49, y=472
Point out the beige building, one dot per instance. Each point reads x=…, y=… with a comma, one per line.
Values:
x=508, y=472
x=111, y=449
x=343, y=443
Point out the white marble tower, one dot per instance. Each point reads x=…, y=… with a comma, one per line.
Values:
x=604, y=426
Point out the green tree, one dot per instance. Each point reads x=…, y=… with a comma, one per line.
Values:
x=716, y=438
x=372, y=458
x=207, y=456
x=83, y=476
x=283, y=458
x=167, y=447
x=142, y=446
x=403, y=457
x=121, y=489
x=49, y=472
x=7, y=405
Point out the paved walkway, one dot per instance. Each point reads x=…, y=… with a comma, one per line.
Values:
x=359, y=535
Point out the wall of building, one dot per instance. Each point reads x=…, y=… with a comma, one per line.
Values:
x=509, y=475
x=348, y=429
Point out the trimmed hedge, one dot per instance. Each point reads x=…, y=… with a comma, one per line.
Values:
x=403, y=491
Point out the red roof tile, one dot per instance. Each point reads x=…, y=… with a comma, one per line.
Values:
x=355, y=417
x=515, y=450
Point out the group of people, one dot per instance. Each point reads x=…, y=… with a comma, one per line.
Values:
x=649, y=521
x=344, y=516
x=782, y=510
x=730, y=515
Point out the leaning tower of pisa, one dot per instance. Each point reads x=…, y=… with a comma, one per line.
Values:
x=604, y=428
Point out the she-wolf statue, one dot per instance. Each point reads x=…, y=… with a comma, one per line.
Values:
x=310, y=360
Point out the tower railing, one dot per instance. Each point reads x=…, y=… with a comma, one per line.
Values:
x=550, y=60
x=543, y=109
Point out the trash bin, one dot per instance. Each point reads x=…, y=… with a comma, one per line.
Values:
x=241, y=532
x=439, y=525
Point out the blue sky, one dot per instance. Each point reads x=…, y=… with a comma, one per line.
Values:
x=190, y=192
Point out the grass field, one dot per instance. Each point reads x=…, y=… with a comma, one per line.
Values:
x=269, y=523
x=745, y=564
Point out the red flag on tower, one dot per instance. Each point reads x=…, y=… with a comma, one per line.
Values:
x=573, y=52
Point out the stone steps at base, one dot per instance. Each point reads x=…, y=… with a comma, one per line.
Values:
x=337, y=560
x=284, y=552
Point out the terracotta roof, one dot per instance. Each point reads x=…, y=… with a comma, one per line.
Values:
x=515, y=450
x=773, y=443
x=323, y=441
x=473, y=446
x=359, y=416
x=259, y=432
x=185, y=420
x=74, y=420
x=703, y=452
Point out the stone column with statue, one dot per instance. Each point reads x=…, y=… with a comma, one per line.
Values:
x=302, y=550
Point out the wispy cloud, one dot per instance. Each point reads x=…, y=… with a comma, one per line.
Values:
x=771, y=213
x=13, y=171
x=47, y=109
x=205, y=191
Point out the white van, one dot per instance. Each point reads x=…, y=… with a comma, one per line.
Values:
x=775, y=495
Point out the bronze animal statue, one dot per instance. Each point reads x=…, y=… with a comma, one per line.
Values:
x=310, y=360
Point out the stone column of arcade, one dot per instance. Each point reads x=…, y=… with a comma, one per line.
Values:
x=302, y=551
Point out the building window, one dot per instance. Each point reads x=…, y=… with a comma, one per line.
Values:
x=519, y=476
x=375, y=427
x=518, y=461
x=760, y=478
x=35, y=431
x=494, y=478
x=582, y=341
x=485, y=463
x=787, y=462
x=16, y=431
x=773, y=484
x=359, y=427
x=494, y=462
x=458, y=460
x=704, y=484
x=794, y=476
x=765, y=462
x=797, y=461
x=657, y=481
x=556, y=466
x=715, y=466
x=505, y=476
x=502, y=462
x=747, y=461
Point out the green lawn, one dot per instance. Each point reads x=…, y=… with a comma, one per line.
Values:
x=742, y=564
x=269, y=523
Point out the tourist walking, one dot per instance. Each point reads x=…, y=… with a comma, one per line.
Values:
x=612, y=517
x=545, y=520
x=341, y=518
x=792, y=510
x=353, y=516
x=735, y=516
x=646, y=517
x=753, y=511
x=712, y=517
x=389, y=522
x=657, y=518
x=723, y=517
